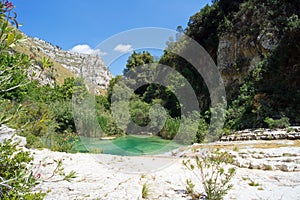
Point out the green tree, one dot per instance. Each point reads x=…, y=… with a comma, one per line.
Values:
x=137, y=59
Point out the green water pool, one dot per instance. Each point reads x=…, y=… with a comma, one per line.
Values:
x=127, y=145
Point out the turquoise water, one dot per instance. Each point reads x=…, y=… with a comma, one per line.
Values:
x=127, y=145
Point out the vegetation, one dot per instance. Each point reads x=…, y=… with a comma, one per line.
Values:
x=253, y=183
x=266, y=96
x=279, y=123
x=190, y=189
x=47, y=120
x=212, y=173
x=262, y=93
x=16, y=179
x=251, y=102
x=268, y=89
x=42, y=114
x=23, y=106
x=145, y=191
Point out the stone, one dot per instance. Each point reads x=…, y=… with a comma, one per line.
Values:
x=91, y=66
x=286, y=167
x=267, y=41
x=9, y=133
x=262, y=134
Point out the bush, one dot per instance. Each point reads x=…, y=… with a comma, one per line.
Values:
x=16, y=180
x=145, y=191
x=202, y=131
x=194, y=129
x=62, y=113
x=139, y=112
x=35, y=118
x=96, y=150
x=190, y=189
x=35, y=121
x=215, y=178
x=60, y=142
x=108, y=125
x=277, y=123
x=31, y=121
x=171, y=128
x=8, y=110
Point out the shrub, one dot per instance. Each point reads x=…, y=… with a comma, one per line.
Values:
x=62, y=113
x=35, y=118
x=96, y=150
x=139, y=111
x=145, y=191
x=171, y=128
x=190, y=189
x=34, y=121
x=108, y=125
x=202, y=131
x=277, y=123
x=194, y=126
x=29, y=120
x=13, y=77
x=16, y=180
x=103, y=121
x=33, y=141
x=253, y=183
x=60, y=142
x=57, y=174
x=215, y=178
x=8, y=111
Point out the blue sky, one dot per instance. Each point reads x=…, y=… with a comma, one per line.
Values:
x=69, y=23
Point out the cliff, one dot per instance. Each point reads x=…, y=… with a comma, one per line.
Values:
x=236, y=57
x=65, y=64
x=255, y=45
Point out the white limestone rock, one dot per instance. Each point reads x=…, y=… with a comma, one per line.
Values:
x=9, y=133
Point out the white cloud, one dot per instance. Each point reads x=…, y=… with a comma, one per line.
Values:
x=86, y=49
x=124, y=48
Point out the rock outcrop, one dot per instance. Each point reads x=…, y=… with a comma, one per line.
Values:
x=264, y=134
x=89, y=66
x=7, y=133
x=284, y=159
x=237, y=56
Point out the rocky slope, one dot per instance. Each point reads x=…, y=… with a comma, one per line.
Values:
x=65, y=64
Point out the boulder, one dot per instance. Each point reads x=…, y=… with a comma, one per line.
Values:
x=9, y=133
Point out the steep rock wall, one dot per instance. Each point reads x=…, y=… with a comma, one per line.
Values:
x=90, y=66
x=237, y=56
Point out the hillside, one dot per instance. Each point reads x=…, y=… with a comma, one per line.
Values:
x=67, y=64
x=255, y=45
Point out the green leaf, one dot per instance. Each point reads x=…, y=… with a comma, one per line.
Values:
x=10, y=38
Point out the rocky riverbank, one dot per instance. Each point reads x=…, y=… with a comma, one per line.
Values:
x=292, y=133
x=264, y=170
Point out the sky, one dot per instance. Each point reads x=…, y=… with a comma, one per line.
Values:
x=83, y=25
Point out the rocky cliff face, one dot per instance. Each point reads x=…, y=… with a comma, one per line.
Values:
x=237, y=56
x=67, y=64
